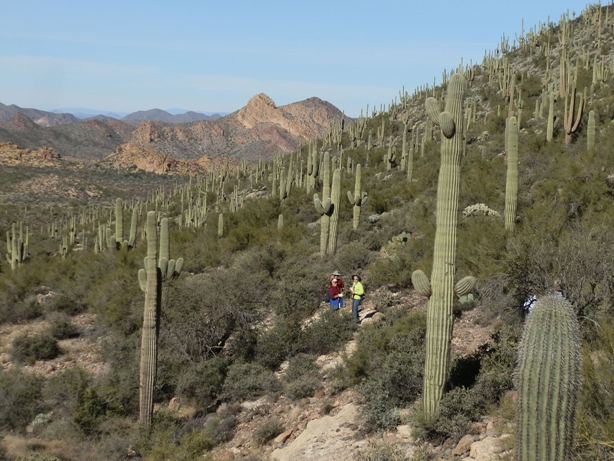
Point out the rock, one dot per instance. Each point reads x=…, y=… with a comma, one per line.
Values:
x=328, y=438
x=174, y=404
x=463, y=445
x=374, y=218
x=281, y=438
x=254, y=404
x=487, y=449
x=404, y=432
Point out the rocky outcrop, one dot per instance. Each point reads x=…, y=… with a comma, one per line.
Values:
x=13, y=155
x=258, y=130
x=137, y=158
x=326, y=439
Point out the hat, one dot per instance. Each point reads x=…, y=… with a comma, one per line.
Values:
x=337, y=273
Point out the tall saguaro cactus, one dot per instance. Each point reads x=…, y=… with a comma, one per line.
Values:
x=16, y=246
x=324, y=207
x=150, y=282
x=335, y=200
x=439, y=312
x=511, y=183
x=119, y=223
x=548, y=379
x=550, y=123
x=358, y=199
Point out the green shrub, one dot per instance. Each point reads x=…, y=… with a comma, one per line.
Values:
x=28, y=348
x=302, y=377
x=327, y=334
x=20, y=399
x=13, y=311
x=268, y=431
x=202, y=382
x=61, y=327
x=246, y=381
x=382, y=451
x=458, y=409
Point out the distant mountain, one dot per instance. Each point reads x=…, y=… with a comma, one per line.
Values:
x=85, y=112
x=159, y=115
x=258, y=130
x=40, y=117
x=90, y=139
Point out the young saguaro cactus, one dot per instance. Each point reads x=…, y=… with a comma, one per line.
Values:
x=511, y=183
x=220, y=225
x=358, y=199
x=324, y=207
x=439, y=312
x=548, y=381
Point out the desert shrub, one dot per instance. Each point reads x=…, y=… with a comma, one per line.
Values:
x=388, y=364
x=60, y=327
x=246, y=381
x=382, y=452
x=13, y=311
x=302, y=377
x=595, y=422
x=66, y=304
x=28, y=348
x=219, y=428
x=268, y=431
x=20, y=399
x=278, y=343
x=202, y=382
x=352, y=257
x=458, y=408
x=328, y=333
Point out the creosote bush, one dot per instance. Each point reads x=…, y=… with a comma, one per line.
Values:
x=28, y=348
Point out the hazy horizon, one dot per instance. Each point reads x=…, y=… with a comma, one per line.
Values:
x=213, y=57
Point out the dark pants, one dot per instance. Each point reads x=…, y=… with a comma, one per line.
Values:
x=356, y=308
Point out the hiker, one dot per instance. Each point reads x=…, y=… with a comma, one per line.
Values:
x=337, y=276
x=358, y=293
x=334, y=293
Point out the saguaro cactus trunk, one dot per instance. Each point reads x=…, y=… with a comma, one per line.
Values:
x=149, y=335
x=511, y=184
x=548, y=379
x=439, y=312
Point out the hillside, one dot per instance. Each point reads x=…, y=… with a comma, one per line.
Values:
x=185, y=319
x=257, y=131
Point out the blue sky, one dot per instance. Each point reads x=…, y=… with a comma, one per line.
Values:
x=214, y=55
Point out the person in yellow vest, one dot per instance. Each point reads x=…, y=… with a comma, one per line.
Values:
x=358, y=293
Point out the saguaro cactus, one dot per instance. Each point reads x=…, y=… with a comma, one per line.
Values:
x=548, y=379
x=590, y=132
x=150, y=282
x=550, y=123
x=335, y=200
x=439, y=312
x=324, y=207
x=220, y=225
x=574, y=108
x=511, y=184
x=358, y=199
x=119, y=223
x=16, y=246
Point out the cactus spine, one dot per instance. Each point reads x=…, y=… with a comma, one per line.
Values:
x=358, y=199
x=590, y=133
x=548, y=378
x=324, y=206
x=335, y=199
x=439, y=312
x=149, y=279
x=511, y=184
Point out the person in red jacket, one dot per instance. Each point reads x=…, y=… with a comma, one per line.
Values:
x=337, y=277
x=334, y=293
